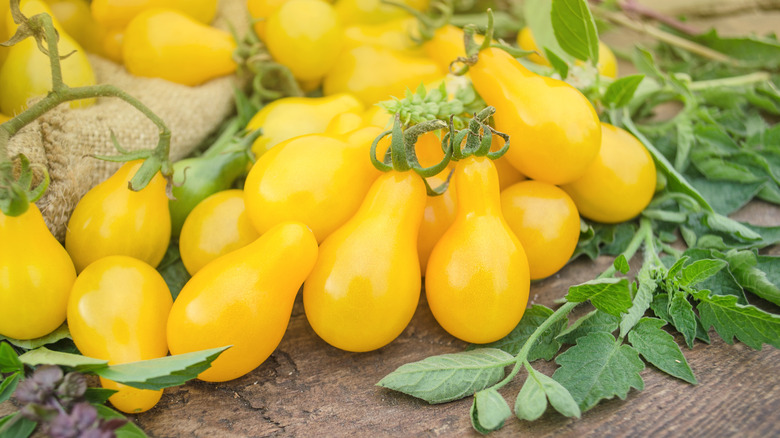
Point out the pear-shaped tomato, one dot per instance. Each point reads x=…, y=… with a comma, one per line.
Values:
x=164, y=43
x=215, y=227
x=117, y=312
x=290, y=117
x=111, y=219
x=243, y=299
x=364, y=289
x=316, y=179
x=554, y=128
x=477, y=278
x=36, y=275
x=116, y=14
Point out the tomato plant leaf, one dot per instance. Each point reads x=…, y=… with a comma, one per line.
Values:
x=575, y=29
x=546, y=345
x=700, y=270
x=683, y=318
x=448, y=377
x=597, y=368
x=765, y=52
x=621, y=264
x=751, y=325
x=16, y=426
x=8, y=385
x=744, y=266
x=537, y=389
x=489, y=411
x=44, y=356
x=620, y=92
x=595, y=321
x=129, y=430
x=608, y=294
x=163, y=372
x=658, y=348
x=59, y=334
x=9, y=361
x=642, y=300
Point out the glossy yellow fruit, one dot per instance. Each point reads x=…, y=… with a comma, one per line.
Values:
x=438, y=216
x=365, y=286
x=36, y=275
x=117, y=14
x=546, y=221
x=243, y=299
x=290, y=117
x=216, y=226
x=117, y=312
x=111, y=219
x=164, y=43
x=260, y=10
x=619, y=183
x=77, y=21
x=394, y=34
x=477, y=279
x=607, y=64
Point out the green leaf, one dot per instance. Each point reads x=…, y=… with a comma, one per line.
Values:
x=749, y=324
x=98, y=395
x=770, y=265
x=599, y=368
x=129, y=430
x=489, y=411
x=753, y=49
x=575, y=29
x=744, y=266
x=546, y=345
x=9, y=361
x=44, y=356
x=60, y=333
x=595, y=321
x=620, y=92
x=8, y=385
x=557, y=63
x=621, y=264
x=538, y=15
x=726, y=197
x=723, y=282
x=683, y=318
x=173, y=271
x=16, y=426
x=642, y=300
x=660, y=306
x=448, y=377
x=532, y=400
x=161, y=373
x=645, y=64
x=700, y=270
x=676, y=268
x=659, y=348
x=608, y=294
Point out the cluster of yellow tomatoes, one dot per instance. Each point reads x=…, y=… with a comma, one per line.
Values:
x=315, y=210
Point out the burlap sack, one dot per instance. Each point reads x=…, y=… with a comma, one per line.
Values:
x=63, y=137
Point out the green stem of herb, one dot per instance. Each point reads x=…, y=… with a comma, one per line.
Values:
x=649, y=240
x=735, y=81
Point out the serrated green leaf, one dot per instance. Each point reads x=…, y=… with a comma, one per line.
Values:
x=700, y=270
x=9, y=361
x=659, y=348
x=676, y=268
x=575, y=29
x=448, y=377
x=620, y=92
x=16, y=426
x=744, y=266
x=660, y=307
x=595, y=321
x=599, y=368
x=44, y=356
x=751, y=325
x=723, y=282
x=683, y=318
x=531, y=401
x=161, y=373
x=621, y=264
x=60, y=333
x=489, y=411
x=8, y=385
x=546, y=345
x=610, y=295
x=642, y=300
x=557, y=63
x=129, y=430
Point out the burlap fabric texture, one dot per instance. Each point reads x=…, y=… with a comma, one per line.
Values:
x=63, y=138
